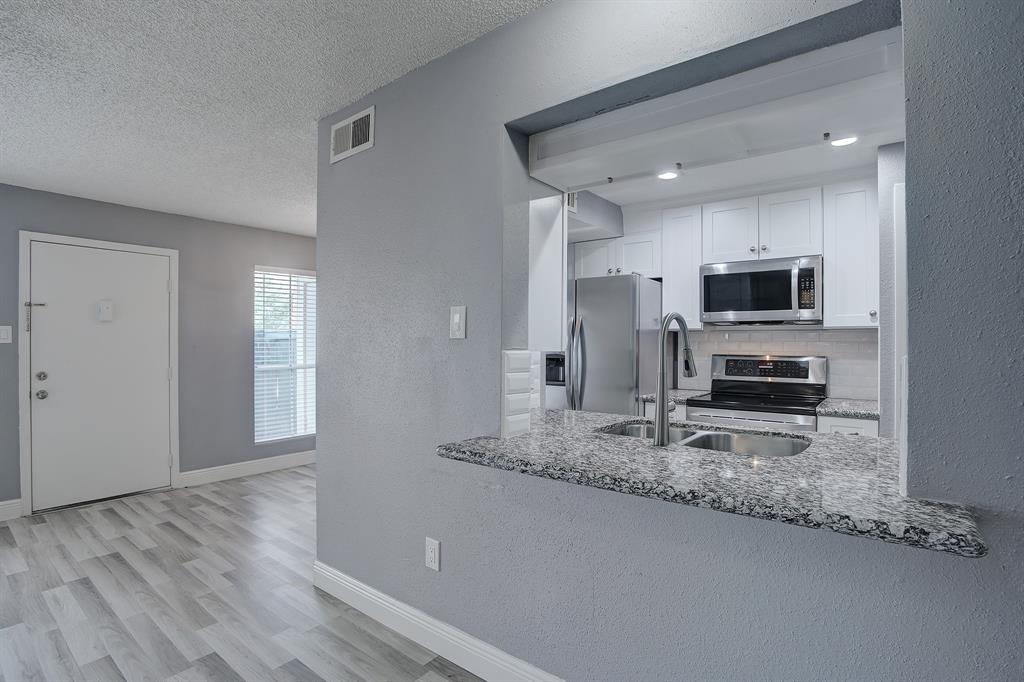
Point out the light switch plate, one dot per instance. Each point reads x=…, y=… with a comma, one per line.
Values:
x=432, y=555
x=457, y=322
x=6, y=334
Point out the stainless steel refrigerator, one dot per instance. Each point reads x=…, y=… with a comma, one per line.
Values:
x=612, y=354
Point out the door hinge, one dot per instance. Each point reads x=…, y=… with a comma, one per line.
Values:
x=170, y=373
x=168, y=286
x=29, y=305
x=170, y=459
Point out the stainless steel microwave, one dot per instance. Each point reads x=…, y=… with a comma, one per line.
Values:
x=776, y=291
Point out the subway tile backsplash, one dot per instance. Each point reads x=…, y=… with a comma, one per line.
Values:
x=852, y=354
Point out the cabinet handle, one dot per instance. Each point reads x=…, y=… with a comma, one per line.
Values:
x=618, y=270
x=609, y=271
x=873, y=313
x=753, y=249
x=764, y=247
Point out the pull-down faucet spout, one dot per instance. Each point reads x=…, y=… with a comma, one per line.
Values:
x=689, y=370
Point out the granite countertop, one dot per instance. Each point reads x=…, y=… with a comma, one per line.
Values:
x=675, y=395
x=830, y=407
x=844, y=483
x=849, y=408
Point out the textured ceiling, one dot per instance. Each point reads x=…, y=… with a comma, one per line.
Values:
x=204, y=108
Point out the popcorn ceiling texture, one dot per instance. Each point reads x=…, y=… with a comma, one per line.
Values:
x=204, y=109
x=852, y=355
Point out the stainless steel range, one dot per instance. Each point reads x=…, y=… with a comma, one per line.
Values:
x=763, y=391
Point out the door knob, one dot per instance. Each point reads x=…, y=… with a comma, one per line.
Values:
x=41, y=394
x=42, y=376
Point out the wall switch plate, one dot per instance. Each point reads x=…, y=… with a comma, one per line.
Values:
x=105, y=310
x=6, y=334
x=457, y=322
x=432, y=558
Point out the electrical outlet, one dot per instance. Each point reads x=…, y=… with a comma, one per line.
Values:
x=432, y=558
x=457, y=322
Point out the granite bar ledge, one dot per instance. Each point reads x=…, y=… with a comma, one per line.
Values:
x=843, y=483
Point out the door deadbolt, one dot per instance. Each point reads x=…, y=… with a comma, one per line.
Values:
x=42, y=394
x=42, y=376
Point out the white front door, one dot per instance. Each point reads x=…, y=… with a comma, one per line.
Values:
x=100, y=358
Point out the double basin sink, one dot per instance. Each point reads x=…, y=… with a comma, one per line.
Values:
x=747, y=444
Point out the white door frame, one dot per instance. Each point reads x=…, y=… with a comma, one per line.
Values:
x=25, y=239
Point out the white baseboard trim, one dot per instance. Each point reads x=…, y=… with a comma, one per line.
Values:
x=10, y=509
x=250, y=468
x=476, y=656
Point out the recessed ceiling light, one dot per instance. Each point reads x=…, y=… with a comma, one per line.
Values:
x=668, y=175
x=844, y=141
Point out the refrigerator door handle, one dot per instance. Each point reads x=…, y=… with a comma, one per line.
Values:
x=581, y=376
x=570, y=357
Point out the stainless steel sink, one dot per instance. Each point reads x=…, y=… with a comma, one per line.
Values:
x=748, y=444
x=675, y=434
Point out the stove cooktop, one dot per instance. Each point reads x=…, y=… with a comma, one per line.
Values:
x=783, y=404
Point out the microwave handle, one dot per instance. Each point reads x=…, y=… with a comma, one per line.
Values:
x=794, y=287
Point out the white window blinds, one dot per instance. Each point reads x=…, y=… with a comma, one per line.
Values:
x=285, y=354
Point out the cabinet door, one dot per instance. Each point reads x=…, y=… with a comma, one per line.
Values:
x=730, y=230
x=789, y=223
x=639, y=253
x=595, y=259
x=851, y=254
x=680, y=263
x=852, y=427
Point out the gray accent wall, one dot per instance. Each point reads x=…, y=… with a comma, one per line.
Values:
x=215, y=325
x=965, y=255
x=597, y=585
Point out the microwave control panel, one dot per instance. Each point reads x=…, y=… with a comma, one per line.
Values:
x=805, y=287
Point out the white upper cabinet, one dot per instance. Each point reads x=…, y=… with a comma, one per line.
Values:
x=730, y=231
x=789, y=223
x=595, y=258
x=851, y=254
x=680, y=263
x=639, y=252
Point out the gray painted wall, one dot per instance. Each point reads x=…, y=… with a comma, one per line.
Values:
x=215, y=317
x=965, y=246
x=590, y=584
x=891, y=171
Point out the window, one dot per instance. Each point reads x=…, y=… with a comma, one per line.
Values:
x=285, y=353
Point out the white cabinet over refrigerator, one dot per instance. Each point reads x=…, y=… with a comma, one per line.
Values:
x=638, y=253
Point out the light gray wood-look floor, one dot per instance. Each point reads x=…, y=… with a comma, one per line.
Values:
x=204, y=583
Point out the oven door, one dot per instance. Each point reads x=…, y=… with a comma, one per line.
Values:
x=780, y=290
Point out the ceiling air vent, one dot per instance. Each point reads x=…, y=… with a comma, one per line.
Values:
x=570, y=201
x=351, y=136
